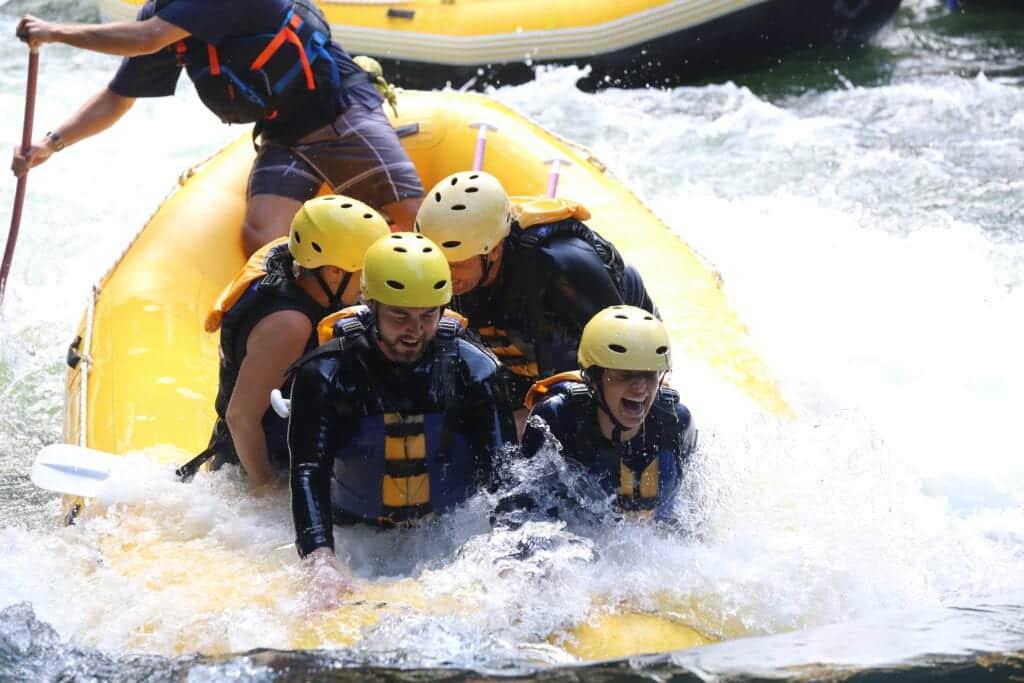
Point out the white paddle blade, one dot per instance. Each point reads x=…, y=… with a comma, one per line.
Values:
x=73, y=470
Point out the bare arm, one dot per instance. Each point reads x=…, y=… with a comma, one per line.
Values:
x=274, y=344
x=124, y=38
x=100, y=112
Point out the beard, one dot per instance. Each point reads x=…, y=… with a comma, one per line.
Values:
x=399, y=350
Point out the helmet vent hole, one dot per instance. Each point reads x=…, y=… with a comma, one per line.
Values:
x=617, y=348
x=455, y=180
x=474, y=176
x=472, y=189
x=298, y=237
x=316, y=247
x=347, y=205
x=427, y=250
x=661, y=350
x=420, y=237
x=401, y=250
x=367, y=216
x=440, y=284
x=395, y=284
x=648, y=317
x=396, y=237
x=621, y=317
x=451, y=244
x=437, y=196
x=459, y=207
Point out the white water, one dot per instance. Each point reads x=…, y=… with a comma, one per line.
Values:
x=871, y=237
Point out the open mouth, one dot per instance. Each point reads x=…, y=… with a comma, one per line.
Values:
x=633, y=408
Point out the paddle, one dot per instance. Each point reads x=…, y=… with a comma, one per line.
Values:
x=26, y=144
x=75, y=470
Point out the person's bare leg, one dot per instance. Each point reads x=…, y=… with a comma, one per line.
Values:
x=267, y=217
x=403, y=213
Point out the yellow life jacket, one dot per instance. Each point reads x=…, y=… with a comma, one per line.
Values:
x=531, y=211
x=541, y=388
x=254, y=269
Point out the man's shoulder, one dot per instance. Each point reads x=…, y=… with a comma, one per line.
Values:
x=480, y=362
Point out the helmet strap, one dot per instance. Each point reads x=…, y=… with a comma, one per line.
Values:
x=333, y=298
x=485, y=266
x=617, y=427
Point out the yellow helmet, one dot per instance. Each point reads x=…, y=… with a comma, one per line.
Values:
x=625, y=338
x=406, y=269
x=334, y=231
x=467, y=213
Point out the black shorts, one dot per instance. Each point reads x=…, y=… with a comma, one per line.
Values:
x=359, y=156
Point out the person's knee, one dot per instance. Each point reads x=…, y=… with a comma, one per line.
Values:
x=255, y=234
x=267, y=217
x=403, y=213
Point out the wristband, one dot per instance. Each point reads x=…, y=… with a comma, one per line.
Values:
x=55, y=141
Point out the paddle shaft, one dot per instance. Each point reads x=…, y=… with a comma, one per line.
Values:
x=26, y=144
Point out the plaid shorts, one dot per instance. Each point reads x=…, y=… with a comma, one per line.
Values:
x=359, y=155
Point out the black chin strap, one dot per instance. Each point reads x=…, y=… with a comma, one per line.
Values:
x=485, y=264
x=333, y=298
x=617, y=427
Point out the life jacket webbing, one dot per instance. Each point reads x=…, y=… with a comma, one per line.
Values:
x=287, y=32
x=180, y=48
x=214, y=58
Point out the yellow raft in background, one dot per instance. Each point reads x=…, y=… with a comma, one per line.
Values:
x=627, y=43
x=150, y=377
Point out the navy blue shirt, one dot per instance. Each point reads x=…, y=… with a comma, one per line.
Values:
x=211, y=21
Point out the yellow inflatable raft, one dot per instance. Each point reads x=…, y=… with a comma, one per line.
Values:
x=143, y=372
x=632, y=43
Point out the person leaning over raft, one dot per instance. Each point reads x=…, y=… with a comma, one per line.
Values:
x=528, y=274
x=268, y=316
x=396, y=418
x=322, y=123
x=618, y=420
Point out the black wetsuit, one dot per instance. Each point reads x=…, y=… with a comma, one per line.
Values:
x=382, y=442
x=276, y=291
x=643, y=473
x=553, y=279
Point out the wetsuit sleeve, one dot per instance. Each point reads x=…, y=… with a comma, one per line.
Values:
x=486, y=413
x=311, y=437
x=154, y=75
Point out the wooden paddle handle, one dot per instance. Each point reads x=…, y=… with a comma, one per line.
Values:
x=26, y=144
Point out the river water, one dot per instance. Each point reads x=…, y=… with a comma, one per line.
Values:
x=866, y=212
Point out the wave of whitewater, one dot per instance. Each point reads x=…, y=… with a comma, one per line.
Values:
x=869, y=232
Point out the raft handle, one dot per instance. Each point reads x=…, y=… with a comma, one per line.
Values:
x=281, y=405
x=401, y=13
x=407, y=130
x=74, y=358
